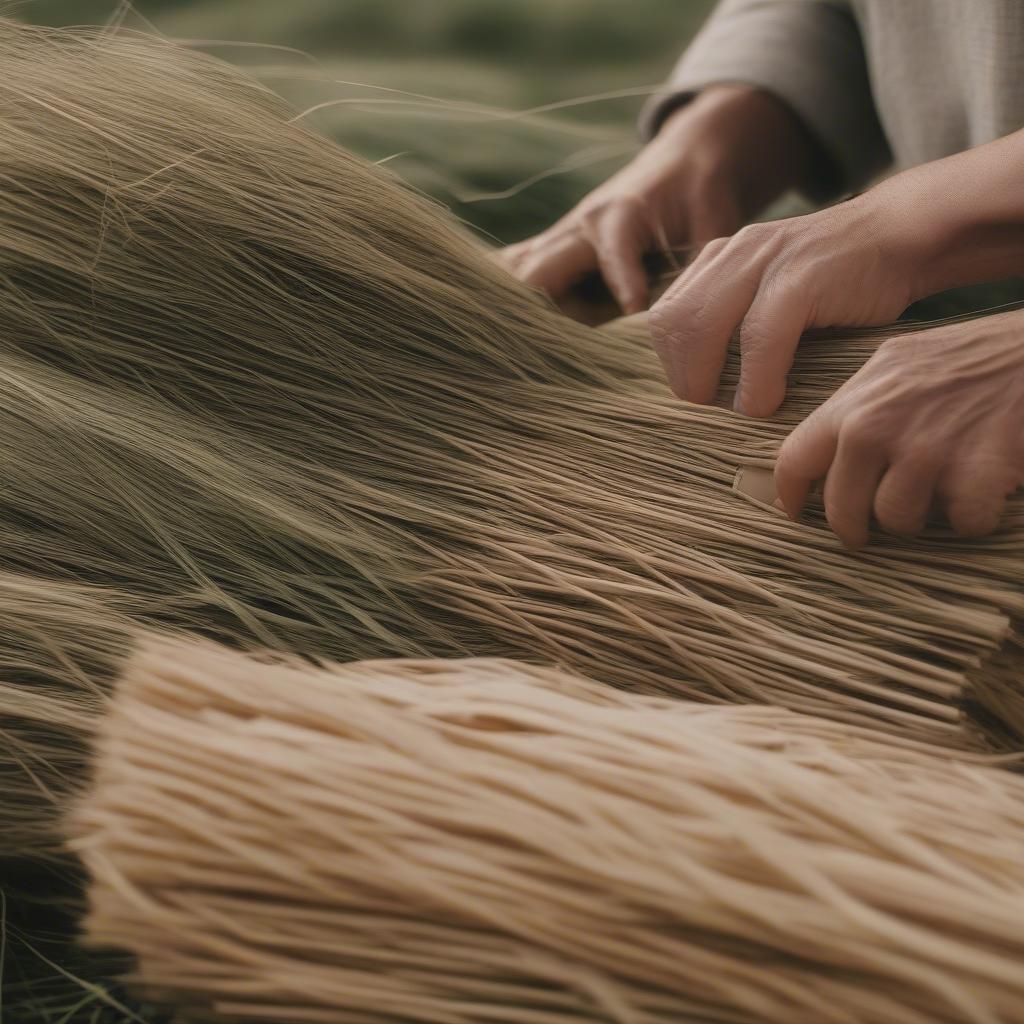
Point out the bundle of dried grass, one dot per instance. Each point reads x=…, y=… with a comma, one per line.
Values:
x=266, y=388
x=482, y=841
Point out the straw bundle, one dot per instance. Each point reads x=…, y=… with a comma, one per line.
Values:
x=476, y=841
x=276, y=398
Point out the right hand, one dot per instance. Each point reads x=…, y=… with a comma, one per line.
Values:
x=934, y=419
x=716, y=162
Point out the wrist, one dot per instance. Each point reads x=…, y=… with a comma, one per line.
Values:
x=934, y=236
x=745, y=136
x=961, y=218
x=960, y=253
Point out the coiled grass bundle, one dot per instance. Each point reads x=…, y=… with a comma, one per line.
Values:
x=471, y=841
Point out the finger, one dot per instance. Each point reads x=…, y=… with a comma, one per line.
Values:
x=705, y=253
x=851, y=484
x=769, y=336
x=620, y=248
x=702, y=263
x=692, y=323
x=975, y=516
x=974, y=494
x=554, y=265
x=804, y=458
x=905, y=496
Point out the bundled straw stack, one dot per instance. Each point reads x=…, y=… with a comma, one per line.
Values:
x=472, y=841
x=253, y=390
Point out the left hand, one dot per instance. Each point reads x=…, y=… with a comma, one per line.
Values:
x=934, y=418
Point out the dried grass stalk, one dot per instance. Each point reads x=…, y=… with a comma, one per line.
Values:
x=250, y=381
x=480, y=841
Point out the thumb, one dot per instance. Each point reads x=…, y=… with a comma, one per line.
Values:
x=804, y=458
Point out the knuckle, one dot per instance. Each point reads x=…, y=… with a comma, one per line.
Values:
x=749, y=234
x=863, y=430
x=713, y=248
x=921, y=453
x=679, y=305
x=631, y=202
x=589, y=217
x=981, y=477
x=757, y=236
x=596, y=212
x=924, y=459
x=664, y=324
x=901, y=348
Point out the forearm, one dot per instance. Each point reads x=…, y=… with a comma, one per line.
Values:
x=962, y=217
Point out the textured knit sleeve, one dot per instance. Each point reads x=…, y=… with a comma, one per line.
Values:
x=810, y=55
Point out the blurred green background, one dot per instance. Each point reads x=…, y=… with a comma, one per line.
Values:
x=486, y=59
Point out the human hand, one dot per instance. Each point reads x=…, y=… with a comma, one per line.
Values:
x=951, y=222
x=715, y=162
x=933, y=419
x=852, y=264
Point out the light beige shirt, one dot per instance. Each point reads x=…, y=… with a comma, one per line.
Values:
x=879, y=82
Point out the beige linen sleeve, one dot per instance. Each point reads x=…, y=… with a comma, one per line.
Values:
x=810, y=55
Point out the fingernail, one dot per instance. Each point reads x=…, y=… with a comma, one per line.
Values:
x=737, y=404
